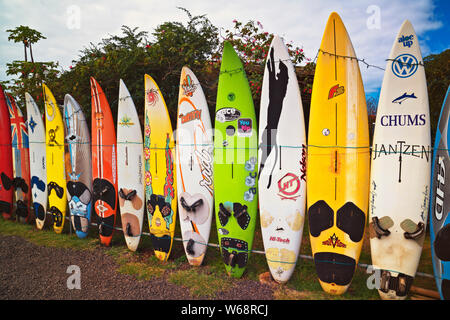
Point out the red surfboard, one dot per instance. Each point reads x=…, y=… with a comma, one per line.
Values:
x=6, y=166
x=21, y=160
x=104, y=163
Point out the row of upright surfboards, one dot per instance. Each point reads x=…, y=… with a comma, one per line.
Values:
x=230, y=173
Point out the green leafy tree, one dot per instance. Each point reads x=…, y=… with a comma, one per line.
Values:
x=178, y=44
x=131, y=55
x=372, y=104
x=27, y=36
x=28, y=76
x=162, y=54
x=114, y=58
x=437, y=69
x=252, y=44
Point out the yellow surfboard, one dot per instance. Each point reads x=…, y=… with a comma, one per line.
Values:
x=338, y=160
x=56, y=177
x=160, y=179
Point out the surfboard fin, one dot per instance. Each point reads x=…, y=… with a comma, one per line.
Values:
x=231, y=261
x=129, y=196
x=57, y=216
x=128, y=230
x=441, y=247
x=22, y=210
x=400, y=283
x=19, y=182
x=190, y=247
x=376, y=227
x=234, y=252
x=241, y=215
x=54, y=186
x=224, y=215
x=6, y=181
x=417, y=233
x=5, y=207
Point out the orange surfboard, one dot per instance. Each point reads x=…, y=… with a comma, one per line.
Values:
x=104, y=167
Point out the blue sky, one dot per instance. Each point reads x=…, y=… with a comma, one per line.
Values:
x=434, y=40
x=70, y=25
x=439, y=39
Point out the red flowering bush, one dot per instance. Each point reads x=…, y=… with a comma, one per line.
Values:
x=252, y=44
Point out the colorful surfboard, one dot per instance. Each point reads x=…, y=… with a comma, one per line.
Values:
x=56, y=175
x=338, y=160
x=21, y=160
x=160, y=178
x=78, y=160
x=235, y=164
x=282, y=163
x=130, y=168
x=104, y=163
x=401, y=165
x=440, y=205
x=6, y=160
x=38, y=162
x=194, y=152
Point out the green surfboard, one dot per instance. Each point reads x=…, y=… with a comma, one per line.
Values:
x=235, y=164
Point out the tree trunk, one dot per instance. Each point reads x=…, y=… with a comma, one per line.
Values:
x=31, y=54
x=25, y=50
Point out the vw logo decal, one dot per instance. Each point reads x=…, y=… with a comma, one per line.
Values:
x=405, y=65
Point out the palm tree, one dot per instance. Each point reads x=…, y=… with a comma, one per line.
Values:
x=27, y=36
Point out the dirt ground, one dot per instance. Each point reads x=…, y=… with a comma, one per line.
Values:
x=32, y=272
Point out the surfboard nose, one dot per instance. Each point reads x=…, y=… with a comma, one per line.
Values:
x=334, y=16
x=406, y=25
x=336, y=39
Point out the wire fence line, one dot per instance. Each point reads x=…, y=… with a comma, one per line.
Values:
x=262, y=252
x=303, y=146
x=369, y=148
x=363, y=60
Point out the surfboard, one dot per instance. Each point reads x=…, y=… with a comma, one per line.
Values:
x=235, y=164
x=194, y=152
x=130, y=168
x=56, y=175
x=160, y=176
x=78, y=166
x=401, y=165
x=338, y=160
x=439, y=203
x=104, y=163
x=38, y=162
x=282, y=163
x=6, y=161
x=21, y=160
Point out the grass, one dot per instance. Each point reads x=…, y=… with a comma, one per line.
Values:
x=209, y=279
x=199, y=283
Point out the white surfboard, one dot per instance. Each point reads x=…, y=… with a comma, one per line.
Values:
x=282, y=163
x=130, y=168
x=38, y=173
x=78, y=163
x=400, y=173
x=194, y=152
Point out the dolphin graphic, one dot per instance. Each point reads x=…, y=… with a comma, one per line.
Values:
x=403, y=97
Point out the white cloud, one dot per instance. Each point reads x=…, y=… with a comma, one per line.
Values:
x=302, y=21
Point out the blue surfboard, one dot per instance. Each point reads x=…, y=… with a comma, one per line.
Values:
x=440, y=202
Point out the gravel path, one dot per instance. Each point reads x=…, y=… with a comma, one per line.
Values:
x=28, y=271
